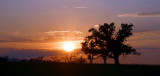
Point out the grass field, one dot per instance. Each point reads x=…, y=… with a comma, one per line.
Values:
x=49, y=69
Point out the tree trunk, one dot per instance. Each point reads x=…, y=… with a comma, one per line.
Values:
x=116, y=59
x=91, y=61
x=104, y=59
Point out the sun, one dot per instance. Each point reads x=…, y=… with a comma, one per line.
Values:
x=68, y=46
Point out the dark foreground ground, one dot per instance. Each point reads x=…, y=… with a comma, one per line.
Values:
x=49, y=69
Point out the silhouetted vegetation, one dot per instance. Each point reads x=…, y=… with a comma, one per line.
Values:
x=67, y=59
x=4, y=59
x=104, y=43
x=53, y=59
x=41, y=67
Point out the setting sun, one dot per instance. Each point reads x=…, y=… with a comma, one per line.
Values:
x=68, y=46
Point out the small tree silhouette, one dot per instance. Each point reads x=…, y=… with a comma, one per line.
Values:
x=88, y=46
x=103, y=41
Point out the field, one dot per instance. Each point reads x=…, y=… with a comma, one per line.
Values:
x=50, y=69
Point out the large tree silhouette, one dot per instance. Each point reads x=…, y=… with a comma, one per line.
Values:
x=108, y=44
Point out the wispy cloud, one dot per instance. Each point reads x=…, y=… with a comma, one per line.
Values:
x=145, y=49
x=66, y=35
x=142, y=14
x=43, y=37
x=82, y=7
x=28, y=53
x=15, y=40
x=63, y=32
x=78, y=32
x=147, y=35
x=55, y=32
x=145, y=39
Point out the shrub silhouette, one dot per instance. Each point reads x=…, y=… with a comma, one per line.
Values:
x=36, y=60
x=4, y=59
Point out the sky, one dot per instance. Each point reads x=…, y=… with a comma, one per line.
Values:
x=46, y=24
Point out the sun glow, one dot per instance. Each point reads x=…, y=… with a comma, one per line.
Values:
x=68, y=46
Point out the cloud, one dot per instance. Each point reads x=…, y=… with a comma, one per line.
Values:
x=65, y=35
x=146, y=49
x=145, y=39
x=28, y=53
x=142, y=14
x=78, y=32
x=16, y=40
x=55, y=32
x=96, y=26
x=82, y=7
x=147, y=35
x=42, y=37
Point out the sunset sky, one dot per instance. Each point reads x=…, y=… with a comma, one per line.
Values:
x=47, y=24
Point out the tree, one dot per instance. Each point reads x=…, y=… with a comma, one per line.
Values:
x=118, y=46
x=99, y=39
x=88, y=47
x=108, y=44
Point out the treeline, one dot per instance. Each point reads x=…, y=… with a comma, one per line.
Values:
x=53, y=59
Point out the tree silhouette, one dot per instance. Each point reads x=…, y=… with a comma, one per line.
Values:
x=108, y=44
x=88, y=46
x=118, y=46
